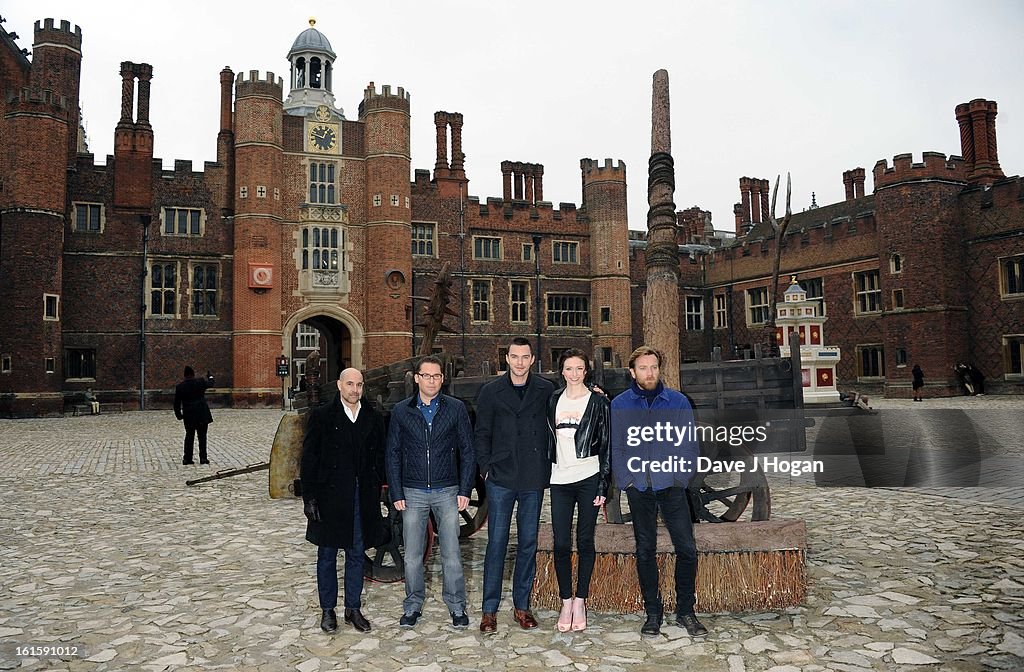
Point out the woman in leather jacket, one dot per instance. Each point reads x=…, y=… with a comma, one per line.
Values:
x=578, y=418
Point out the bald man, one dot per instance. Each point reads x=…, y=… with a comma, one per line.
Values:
x=341, y=472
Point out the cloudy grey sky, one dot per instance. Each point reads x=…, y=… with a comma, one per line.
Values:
x=758, y=88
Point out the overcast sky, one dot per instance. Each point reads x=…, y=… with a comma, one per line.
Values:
x=758, y=88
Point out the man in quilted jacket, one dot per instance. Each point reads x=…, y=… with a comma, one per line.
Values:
x=430, y=469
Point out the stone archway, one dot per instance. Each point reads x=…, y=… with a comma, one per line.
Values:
x=341, y=340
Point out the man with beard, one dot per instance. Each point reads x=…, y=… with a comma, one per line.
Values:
x=646, y=403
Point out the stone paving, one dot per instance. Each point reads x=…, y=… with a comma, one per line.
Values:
x=103, y=547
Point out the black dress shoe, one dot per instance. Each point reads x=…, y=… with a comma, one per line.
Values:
x=187, y=462
x=204, y=461
x=460, y=621
x=652, y=626
x=358, y=621
x=329, y=621
x=693, y=627
x=409, y=620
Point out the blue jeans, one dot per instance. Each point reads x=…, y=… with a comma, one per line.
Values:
x=419, y=505
x=675, y=511
x=327, y=569
x=500, y=502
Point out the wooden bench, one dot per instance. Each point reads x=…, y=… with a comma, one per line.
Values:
x=105, y=407
x=742, y=566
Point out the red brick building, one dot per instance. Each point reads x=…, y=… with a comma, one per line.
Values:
x=928, y=269
x=307, y=229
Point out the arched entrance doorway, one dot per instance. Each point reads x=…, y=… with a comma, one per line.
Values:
x=338, y=337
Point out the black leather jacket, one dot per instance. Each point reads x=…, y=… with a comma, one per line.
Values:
x=592, y=436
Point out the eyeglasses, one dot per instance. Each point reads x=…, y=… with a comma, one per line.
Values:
x=431, y=376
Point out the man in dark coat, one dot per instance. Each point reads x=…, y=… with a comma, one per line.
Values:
x=511, y=443
x=190, y=405
x=342, y=463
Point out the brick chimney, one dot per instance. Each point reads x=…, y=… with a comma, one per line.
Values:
x=853, y=182
x=977, y=121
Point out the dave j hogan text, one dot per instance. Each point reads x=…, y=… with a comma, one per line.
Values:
x=704, y=465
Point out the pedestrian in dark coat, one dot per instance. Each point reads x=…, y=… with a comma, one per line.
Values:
x=190, y=406
x=918, y=381
x=341, y=473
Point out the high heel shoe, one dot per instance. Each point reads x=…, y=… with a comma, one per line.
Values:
x=579, y=614
x=565, y=616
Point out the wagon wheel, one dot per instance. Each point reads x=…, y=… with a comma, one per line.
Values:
x=723, y=497
x=475, y=515
x=387, y=563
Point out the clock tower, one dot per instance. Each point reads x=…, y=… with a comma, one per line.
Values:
x=312, y=72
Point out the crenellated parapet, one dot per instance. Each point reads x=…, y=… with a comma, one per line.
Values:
x=45, y=32
x=270, y=85
x=385, y=100
x=521, y=210
x=38, y=101
x=595, y=171
x=934, y=166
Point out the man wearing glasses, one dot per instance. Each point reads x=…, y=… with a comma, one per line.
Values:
x=430, y=469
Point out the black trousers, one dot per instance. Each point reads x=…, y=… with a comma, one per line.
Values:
x=565, y=499
x=675, y=510
x=190, y=435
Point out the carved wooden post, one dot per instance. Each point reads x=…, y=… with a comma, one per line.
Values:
x=661, y=301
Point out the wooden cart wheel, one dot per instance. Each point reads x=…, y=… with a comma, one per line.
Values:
x=475, y=515
x=723, y=497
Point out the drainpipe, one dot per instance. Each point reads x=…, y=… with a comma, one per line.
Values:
x=146, y=219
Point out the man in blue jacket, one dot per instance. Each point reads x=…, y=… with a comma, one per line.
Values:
x=654, y=453
x=430, y=469
x=511, y=441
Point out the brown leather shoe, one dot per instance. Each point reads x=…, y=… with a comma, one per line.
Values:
x=489, y=624
x=524, y=618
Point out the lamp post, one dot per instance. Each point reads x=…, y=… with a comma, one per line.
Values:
x=536, y=301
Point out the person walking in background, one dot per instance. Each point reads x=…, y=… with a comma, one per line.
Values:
x=579, y=422
x=190, y=407
x=512, y=442
x=430, y=470
x=341, y=473
x=918, y=382
x=647, y=404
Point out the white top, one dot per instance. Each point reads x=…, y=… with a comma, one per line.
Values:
x=352, y=415
x=568, y=468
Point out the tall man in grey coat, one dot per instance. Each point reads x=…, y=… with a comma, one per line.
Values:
x=511, y=441
x=341, y=470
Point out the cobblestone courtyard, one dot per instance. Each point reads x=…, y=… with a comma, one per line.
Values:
x=105, y=548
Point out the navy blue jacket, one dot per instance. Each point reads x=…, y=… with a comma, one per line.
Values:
x=438, y=455
x=512, y=435
x=633, y=453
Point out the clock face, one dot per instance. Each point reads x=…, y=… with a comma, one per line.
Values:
x=323, y=138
